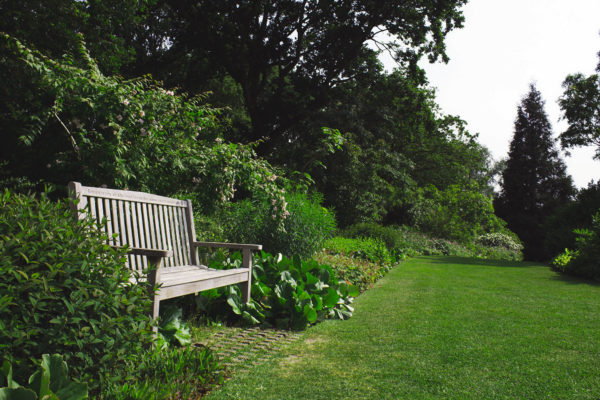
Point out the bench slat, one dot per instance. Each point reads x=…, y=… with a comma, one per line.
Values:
x=176, y=290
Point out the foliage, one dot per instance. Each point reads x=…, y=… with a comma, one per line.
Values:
x=64, y=290
x=498, y=239
x=305, y=223
x=366, y=248
x=457, y=213
x=50, y=381
x=578, y=213
x=171, y=329
x=82, y=125
x=535, y=181
x=288, y=293
x=185, y=373
x=584, y=261
x=286, y=56
x=561, y=262
x=580, y=104
x=355, y=271
x=387, y=234
x=395, y=141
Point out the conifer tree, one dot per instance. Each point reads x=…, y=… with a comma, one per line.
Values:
x=535, y=181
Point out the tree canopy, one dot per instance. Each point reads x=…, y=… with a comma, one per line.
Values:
x=580, y=104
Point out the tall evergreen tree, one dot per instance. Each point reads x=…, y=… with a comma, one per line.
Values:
x=535, y=181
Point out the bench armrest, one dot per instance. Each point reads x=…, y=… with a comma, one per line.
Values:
x=239, y=246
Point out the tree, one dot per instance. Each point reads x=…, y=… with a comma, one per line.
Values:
x=534, y=182
x=580, y=104
x=104, y=130
x=287, y=55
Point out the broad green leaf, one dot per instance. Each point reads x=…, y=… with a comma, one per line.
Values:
x=331, y=298
x=17, y=394
x=310, y=313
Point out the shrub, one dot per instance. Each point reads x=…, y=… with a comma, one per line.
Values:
x=387, y=234
x=585, y=260
x=561, y=262
x=355, y=271
x=306, y=224
x=366, y=248
x=457, y=213
x=63, y=290
x=497, y=239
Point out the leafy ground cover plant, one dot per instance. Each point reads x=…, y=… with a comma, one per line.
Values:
x=288, y=293
x=354, y=271
x=64, y=290
x=50, y=381
x=172, y=330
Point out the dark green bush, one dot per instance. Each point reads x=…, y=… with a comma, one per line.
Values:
x=306, y=224
x=366, y=248
x=585, y=260
x=63, y=290
x=389, y=235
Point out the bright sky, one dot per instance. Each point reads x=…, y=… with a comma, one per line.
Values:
x=505, y=45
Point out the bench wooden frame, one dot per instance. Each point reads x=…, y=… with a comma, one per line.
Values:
x=160, y=231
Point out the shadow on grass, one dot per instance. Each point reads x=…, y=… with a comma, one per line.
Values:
x=482, y=262
x=573, y=280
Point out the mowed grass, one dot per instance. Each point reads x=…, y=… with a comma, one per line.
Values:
x=446, y=328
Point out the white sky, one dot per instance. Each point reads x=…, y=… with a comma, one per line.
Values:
x=505, y=45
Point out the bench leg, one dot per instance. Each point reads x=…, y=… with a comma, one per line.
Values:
x=153, y=280
x=247, y=263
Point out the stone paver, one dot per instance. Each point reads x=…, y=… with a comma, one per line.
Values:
x=241, y=349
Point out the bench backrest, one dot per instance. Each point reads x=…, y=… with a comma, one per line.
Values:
x=141, y=220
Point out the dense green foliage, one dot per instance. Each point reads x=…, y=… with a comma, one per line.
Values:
x=50, y=381
x=404, y=241
x=585, y=260
x=580, y=104
x=535, y=181
x=559, y=227
x=300, y=230
x=288, y=293
x=64, y=290
x=367, y=248
x=73, y=123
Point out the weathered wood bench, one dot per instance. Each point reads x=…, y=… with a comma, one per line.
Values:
x=160, y=231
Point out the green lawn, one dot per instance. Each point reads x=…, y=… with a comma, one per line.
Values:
x=446, y=328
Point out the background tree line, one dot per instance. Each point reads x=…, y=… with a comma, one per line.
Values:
x=294, y=84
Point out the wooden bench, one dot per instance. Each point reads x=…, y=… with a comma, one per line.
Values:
x=160, y=231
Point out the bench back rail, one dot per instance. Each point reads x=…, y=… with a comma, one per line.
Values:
x=141, y=220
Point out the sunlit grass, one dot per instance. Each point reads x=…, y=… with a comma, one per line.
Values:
x=446, y=328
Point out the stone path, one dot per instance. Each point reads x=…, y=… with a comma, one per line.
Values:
x=241, y=349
